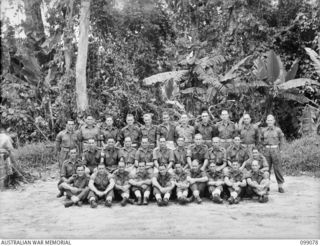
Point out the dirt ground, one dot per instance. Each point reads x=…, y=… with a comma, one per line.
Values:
x=34, y=212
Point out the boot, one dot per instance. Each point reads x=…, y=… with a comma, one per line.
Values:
x=108, y=203
x=68, y=204
x=217, y=199
x=198, y=200
x=93, y=204
x=139, y=201
x=165, y=202
x=124, y=202
x=60, y=194
x=159, y=202
x=231, y=200
x=145, y=201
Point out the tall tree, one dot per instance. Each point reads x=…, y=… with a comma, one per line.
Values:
x=81, y=81
x=33, y=24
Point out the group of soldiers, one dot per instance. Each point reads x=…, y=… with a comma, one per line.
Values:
x=172, y=160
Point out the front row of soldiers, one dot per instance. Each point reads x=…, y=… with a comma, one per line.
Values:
x=132, y=173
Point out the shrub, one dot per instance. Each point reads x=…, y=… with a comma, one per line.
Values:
x=302, y=156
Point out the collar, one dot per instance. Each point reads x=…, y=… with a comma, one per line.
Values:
x=270, y=128
x=247, y=126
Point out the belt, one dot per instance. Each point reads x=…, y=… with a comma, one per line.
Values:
x=226, y=140
x=271, y=146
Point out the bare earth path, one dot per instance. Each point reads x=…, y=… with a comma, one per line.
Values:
x=34, y=212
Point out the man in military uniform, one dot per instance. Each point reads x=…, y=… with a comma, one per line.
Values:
x=237, y=152
x=166, y=130
x=259, y=182
x=197, y=180
x=76, y=187
x=185, y=130
x=215, y=182
x=149, y=131
x=141, y=184
x=180, y=153
x=249, y=133
x=101, y=186
x=226, y=129
x=163, y=184
x=198, y=151
x=256, y=155
x=206, y=129
x=182, y=184
x=91, y=157
x=132, y=131
x=145, y=154
x=127, y=154
x=108, y=130
x=217, y=154
x=66, y=140
x=86, y=132
x=122, y=186
x=110, y=155
x=272, y=139
x=68, y=168
x=162, y=155
x=235, y=181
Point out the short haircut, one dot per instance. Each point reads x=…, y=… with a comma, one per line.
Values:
x=130, y=116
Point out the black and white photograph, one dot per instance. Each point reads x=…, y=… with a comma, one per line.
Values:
x=159, y=119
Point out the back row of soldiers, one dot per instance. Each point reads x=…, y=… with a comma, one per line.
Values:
x=170, y=144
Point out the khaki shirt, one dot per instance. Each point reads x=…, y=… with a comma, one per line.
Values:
x=199, y=153
x=111, y=156
x=133, y=132
x=235, y=175
x=68, y=168
x=261, y=159
x=86, y=133
x=272, y=136
x=164, y=180
x=79, y=182
x=91, y=159
x=217, y=155
x=144, y=155
x=186, y=132
x=215, y=175
x=256, y=176
x=208, y=131
x=101, y=180
x=128, y=155
x=166, y=131
x=150, y=133
x=196, y=173
x=237, y=153
x=249, y=134
x=226, y=130
x=163, y=155
x=181, y=177
x=68, y=140
x=180, y=155
x=121, y=178
x=110, y=132
x=142, y=176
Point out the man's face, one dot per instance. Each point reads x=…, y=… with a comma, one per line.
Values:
x=255, y=153
x=180, y=142
x=246, y=119
x=270, y=121
x=212, y=167
x=255, y=166
x=90, y=121
x=205, y=117
x=80, y=171
x=197, y=140
x=127, y=142
x=165, y=118
x=237, y=141
x=101, y=169
x=130, y=121
x=109, y=121
x=184, y=119
x=144, y=143
x=70, y=126
x=162, y=170
x=178, y=167
x=224, y=115
x=147, y=120
x=110, y=142
x=162, y=142
x=235, y=165
x=92, y=144
x=121, y=166
x=215, y=142
x=73, y=154
x=141, y=167
x=195, y=166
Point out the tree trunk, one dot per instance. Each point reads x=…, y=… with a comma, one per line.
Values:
x=34, y=24
x=81, y=83
x=68, y=34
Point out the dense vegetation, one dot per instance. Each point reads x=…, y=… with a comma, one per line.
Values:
x=242, y=55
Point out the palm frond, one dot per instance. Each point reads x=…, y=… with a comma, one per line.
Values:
x=294, y=97
x=293, y=70
x=315, y=58
x=294, y=83
x=232, y=73
x=273, y=66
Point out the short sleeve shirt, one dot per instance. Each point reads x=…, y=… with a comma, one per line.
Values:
x=180, y=155
x=67, y=139
x=101, y=180
x=180, y=177
x=226, y=130
x=111, y=156
x=217, y=155
x=256, y=176
x=164, y=180
x=79, y=182
x=144, y=155
x=131, y=131
x=86, y=133
x=186, y=132
x=208, y=131
x=199, y=153
x=91, y=158
x=249, y=134
x=235, y=175
x=69, y=168
x=237, y=153
x=141, y=176
x=128, y=154
x=121, y=178
x=150, y=133
x=166, y=131
x=215, y=175
x=163, y=155
x=272, y=136
x=110, y=132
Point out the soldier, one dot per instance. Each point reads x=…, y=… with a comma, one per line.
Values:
x=66, y=140
x=101, y=186
x=206, y=129
x=180, y=153
x=166, y=129
x=198, y=151
x=110, y=155
x=163, y=184
x=145, y=154
x=256, y=155
x=109, y=130
x=249, y=133
x=217, y=154
x=237, y=152
x=162, y=155
x=91, y=157
x=132, y=131
x=235, y=181
x=215, y=182
x=259, y=182
x=149, y=131
x=182, y=184
x=272, y=139
x=86, y=132
x=76, y=187
x=226, y=129
x=127, y=154
x=197, y=180
x=184, y=130
x=68, y=169
x=122, y=186
x=141, y=184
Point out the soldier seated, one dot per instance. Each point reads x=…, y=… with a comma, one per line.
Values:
x=197, y=179
x=110, y=155
x=91, y=157
x=162, y=155
x=256, y=155
x=198, y=151
x=101, y=187
x=215, y=182
x=235, y=181
x=163, y=184
x=76, y=187
x=141, y=184
x=182, y=184
x=259, y=182
x=145, y=154
x=180, y=153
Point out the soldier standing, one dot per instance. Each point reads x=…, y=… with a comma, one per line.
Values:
x=226, y=129
x=206, y=129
